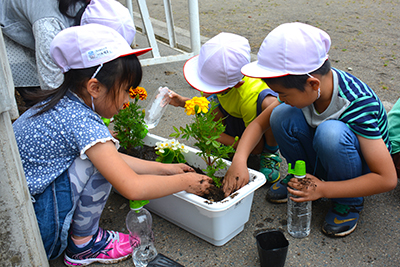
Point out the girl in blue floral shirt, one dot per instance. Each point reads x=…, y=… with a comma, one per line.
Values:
x=70, y=158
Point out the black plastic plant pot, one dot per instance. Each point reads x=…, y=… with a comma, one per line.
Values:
x=272, y=248
x=163, y=261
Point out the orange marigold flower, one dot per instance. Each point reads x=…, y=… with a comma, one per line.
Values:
x=142, y=93
x=133, y=92
x=125, y=105
x=201, y=102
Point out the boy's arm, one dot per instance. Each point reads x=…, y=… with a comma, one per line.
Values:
x=382, y=177
x=237, y=175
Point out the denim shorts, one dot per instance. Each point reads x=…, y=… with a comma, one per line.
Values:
x=54, y=210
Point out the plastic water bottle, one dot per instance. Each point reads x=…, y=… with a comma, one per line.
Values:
x=299, y=213
x=138, y=223
x=156, y=107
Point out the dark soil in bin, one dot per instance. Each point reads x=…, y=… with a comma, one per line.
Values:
x=148, y=153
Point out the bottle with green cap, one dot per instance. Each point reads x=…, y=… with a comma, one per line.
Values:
x=139, y=223
x=299, y=213
x=106, y=121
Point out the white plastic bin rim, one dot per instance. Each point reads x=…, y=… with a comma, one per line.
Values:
x=257, y=179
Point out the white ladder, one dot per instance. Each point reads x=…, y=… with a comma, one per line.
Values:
x=149, y=32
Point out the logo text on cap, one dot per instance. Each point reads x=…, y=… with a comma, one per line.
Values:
x=98, y=53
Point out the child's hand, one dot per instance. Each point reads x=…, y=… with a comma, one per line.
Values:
x=198, y=184
x=307, y=189
x=179, y=168
x=177, y=100
x=235, y=178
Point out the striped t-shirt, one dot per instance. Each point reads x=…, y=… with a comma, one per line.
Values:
x=357, y=105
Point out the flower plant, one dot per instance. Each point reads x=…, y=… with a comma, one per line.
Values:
x=171, y=151
x=129, y=122
x=206, y=130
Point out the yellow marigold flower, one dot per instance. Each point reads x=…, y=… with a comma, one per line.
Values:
x=191, y=104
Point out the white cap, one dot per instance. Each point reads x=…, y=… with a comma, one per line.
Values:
x=218, y=65
x=110, y=13
x=89, y=45
x=291, y=48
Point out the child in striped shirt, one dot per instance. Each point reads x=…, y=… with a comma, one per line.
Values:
x=324, y=116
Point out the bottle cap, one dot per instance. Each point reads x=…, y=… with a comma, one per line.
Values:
x=106, y=121
x=299, y=170
x=137, y=204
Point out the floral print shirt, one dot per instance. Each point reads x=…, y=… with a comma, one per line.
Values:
x=50, y=142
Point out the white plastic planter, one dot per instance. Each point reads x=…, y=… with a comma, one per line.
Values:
x=218, y=222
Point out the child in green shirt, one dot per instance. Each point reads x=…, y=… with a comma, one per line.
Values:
x=216, y=73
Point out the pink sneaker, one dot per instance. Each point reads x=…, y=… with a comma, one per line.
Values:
x=105, y=247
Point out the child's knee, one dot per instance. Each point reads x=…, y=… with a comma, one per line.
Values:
x=334, y=135
x=283, y=113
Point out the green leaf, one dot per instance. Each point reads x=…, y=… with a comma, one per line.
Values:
x=169, y=158
x=130, y=127
x=216, y=144
x=205, y=129
x=175, y=135
x=180, y=158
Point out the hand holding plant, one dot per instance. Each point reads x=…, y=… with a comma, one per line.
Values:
x=206, y=131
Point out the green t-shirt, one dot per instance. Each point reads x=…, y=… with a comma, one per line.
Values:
x=242, y=102
x=394, y=127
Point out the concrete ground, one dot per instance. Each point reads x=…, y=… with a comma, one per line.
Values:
x=365, y=37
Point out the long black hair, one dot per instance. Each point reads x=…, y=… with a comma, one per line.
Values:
x=124, y=71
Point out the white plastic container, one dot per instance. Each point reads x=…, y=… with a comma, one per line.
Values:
x=217, y=222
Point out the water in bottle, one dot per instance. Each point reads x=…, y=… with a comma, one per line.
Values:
x=139, y=223
x=299, y=213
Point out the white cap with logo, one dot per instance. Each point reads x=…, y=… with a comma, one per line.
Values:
x=89, y=45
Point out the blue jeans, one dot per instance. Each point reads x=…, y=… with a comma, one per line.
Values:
x=54, y=210
x=73, y=203
x=331, y=150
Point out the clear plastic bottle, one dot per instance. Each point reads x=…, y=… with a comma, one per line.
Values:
x=139, y=223
x=299, y=213
x=156, y=107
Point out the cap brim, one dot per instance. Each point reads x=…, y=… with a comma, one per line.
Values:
x=254, y=70
x=137, y=52
x=190, y=72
